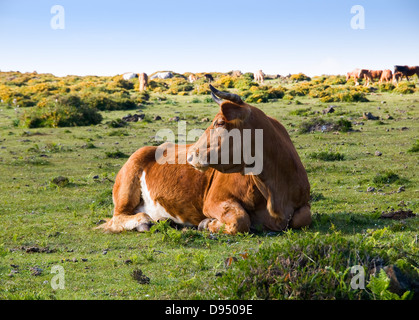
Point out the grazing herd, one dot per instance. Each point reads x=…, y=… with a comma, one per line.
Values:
x=367, y=75
x=382, y=75
x=259, y=77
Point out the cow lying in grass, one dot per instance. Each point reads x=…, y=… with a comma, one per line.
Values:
x=229, y=195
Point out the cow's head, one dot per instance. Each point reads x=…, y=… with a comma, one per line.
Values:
x=229, y=142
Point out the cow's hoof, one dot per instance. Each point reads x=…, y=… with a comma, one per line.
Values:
x=143, y=227
x=203, y=225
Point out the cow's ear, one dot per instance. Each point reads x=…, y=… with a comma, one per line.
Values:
x=232, y=111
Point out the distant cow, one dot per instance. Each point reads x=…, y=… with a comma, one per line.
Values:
x=397, y=76
x=353, y=74
x=386, y=76
x=236, y=73
x=259, y=76
x=129, y=75
x=192, y=78
x=162, y=75
x=407, y=71
x=370, y=75
x=208, y=77
x=143, y=81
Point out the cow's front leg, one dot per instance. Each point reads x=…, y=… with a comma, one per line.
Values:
x=228, y=216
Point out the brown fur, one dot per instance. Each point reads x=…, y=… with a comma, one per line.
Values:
x=370, y=75
x=386, y=76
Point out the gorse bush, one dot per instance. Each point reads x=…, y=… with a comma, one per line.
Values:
x=405, y=88
x=299, y=77
x=385, y=87
x=226, y=81
x=343, y=94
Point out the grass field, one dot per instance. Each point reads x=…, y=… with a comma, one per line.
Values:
x=47, y=223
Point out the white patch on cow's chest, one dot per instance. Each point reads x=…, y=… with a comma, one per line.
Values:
x=154, y=209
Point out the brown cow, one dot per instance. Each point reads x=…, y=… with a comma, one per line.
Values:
x=236, y=73
x=143, y=81
x=259, y=76
x=209, y=77
x=397, y=76
x=192, y=78
x=353, y=74
x=407, y=71
x=386, y=76
x=216, y=196
x=370, y=75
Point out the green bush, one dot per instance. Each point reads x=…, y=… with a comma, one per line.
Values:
x=108, y=102
x=327, y=156
x=343, y=125
x=320, y=124
x=415, y=147
x=116, y=155
x=388, y=177
x=301, y=112
x=63, y=111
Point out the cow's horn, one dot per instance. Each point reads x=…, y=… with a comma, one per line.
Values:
x=216, y=99
x=225, y=95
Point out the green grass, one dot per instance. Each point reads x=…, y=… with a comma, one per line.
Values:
x=313, y=263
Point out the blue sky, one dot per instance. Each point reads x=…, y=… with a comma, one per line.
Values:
x=280, y=37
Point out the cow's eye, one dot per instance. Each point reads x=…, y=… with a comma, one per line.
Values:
x=219, y=123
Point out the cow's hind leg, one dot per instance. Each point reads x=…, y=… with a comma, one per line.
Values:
x=228, y=216
x=127, y=199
